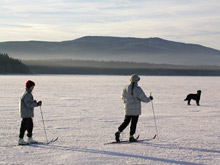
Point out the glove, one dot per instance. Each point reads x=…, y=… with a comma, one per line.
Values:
x=39, y=103
x=151, y=97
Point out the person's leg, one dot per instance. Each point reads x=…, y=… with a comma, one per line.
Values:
x=134, y=120
x=29, y=125
x=22, y=128
x=122, y=127
x=125, y=123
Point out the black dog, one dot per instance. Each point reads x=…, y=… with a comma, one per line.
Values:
x=194, y=97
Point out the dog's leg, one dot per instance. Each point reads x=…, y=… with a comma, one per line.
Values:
x=189, y=101
x=197, y=102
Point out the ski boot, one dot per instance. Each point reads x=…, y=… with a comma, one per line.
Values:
x=117, y=136
x=132, y=139
x=22, y=142
x=31, y=141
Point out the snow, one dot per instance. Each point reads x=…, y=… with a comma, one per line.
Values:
x=85, y=111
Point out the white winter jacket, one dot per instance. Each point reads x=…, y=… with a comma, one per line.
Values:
x=132, y=104
x=27, y=104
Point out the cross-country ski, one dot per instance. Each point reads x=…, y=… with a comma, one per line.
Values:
x=128, y=142
x=35, y=143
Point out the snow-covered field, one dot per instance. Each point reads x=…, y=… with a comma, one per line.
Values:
x=85, y=111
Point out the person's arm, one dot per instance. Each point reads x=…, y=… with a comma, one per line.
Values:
x=29, y=102
x=122, y=94
x=141, y=96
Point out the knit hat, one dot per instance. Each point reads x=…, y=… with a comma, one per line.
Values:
x=29, y=84
x=134, y=78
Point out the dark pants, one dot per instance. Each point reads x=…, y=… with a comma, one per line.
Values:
x=26, y=124
x=134, y=120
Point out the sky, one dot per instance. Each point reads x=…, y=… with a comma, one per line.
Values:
x=188, y=21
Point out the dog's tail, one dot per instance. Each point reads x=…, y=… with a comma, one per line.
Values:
x=187, y=98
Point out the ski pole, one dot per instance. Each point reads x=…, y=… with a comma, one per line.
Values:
x=154, y=117
x=43, y=124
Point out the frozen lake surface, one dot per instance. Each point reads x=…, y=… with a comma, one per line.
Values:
x=85, y=111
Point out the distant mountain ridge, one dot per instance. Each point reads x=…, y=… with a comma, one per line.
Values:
x=150, y=50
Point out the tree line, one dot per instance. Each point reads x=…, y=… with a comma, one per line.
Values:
x=9, y=65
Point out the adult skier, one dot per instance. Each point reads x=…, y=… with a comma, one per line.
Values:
x=132, y=96
x=26, y=108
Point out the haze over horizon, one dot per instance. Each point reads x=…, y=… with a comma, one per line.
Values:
x=189, y=21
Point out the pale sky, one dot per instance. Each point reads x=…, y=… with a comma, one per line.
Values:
x=189, y=21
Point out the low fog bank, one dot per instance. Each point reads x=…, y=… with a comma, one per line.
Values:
x=117, y=68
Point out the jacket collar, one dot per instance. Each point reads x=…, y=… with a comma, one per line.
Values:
x=28, y=90
x=135, y=84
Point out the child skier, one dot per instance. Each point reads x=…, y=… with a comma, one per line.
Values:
x=26, y=108
x=132, y=95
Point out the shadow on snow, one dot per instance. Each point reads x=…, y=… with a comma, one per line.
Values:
x=167, y=146
x=110, y=153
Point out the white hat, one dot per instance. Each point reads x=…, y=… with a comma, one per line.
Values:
x=134, y=78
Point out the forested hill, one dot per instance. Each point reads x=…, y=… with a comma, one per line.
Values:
x=12, y=66
x=148, y=50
